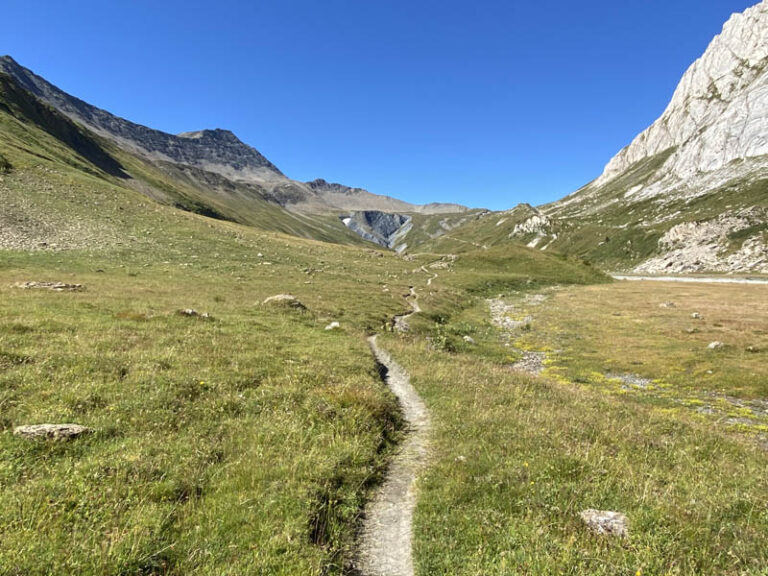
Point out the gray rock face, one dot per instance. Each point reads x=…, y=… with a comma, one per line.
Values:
x=719, y=112
x=355, y=199
x=383, y=228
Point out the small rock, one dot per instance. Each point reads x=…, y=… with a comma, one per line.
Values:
x=333, y=326
x=469, y=339
x=667, y=305
x=716, y=345
x=753, y=349
x=696, y=316
x=606, y=522
x=191, y=312
x=51, y=431
x=284, y=300
x=55, y=286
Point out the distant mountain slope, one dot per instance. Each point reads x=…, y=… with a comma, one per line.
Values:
x=210, y=151
x=213, y=150
x=353, y=199
x=49, y=164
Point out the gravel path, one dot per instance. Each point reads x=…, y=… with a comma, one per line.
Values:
x=694, y=279
x=400, y=323
x=384, y=547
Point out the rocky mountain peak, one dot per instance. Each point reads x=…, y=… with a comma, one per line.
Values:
x=719, y=111
x=218, y=150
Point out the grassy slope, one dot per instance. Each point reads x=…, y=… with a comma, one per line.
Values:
x=32, y=135
x=595, y=224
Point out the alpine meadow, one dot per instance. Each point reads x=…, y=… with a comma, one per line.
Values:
x=209, y=367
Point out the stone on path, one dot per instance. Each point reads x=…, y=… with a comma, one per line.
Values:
x=51, y=431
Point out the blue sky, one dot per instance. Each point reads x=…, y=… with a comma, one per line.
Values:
x=486, y=103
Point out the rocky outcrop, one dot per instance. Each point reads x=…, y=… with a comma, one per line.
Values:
x=707, y=246
x=51, y=431
x=383, y=228
x=691, y=177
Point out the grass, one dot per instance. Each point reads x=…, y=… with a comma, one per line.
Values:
x=516, y=458
x=624, y=328
x=245, y=443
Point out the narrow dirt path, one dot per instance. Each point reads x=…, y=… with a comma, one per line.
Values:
x=384, y=547
x=385, y=543
x=400, y=322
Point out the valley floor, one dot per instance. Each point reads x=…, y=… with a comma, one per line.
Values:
x=249, y=441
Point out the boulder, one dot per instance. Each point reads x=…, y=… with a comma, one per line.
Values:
x=51, y=431
x=284, y=300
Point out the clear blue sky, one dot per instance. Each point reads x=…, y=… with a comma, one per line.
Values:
x=487, y=103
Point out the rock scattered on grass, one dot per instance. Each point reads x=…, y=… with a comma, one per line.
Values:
x=753, y=349
x=531, y=362
x=51, y=431
x=605, y=522
x=716, y=345
x=634, y=380
x=667, y=305
x=55, y=286
x=696, y=316
x=284, y=300
x=192, y=313
x=469, y=339
x=333, y=326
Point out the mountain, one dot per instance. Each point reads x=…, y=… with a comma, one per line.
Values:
x=697, y=178
x=351, y=199
x=203, y=158
x=689, y=194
